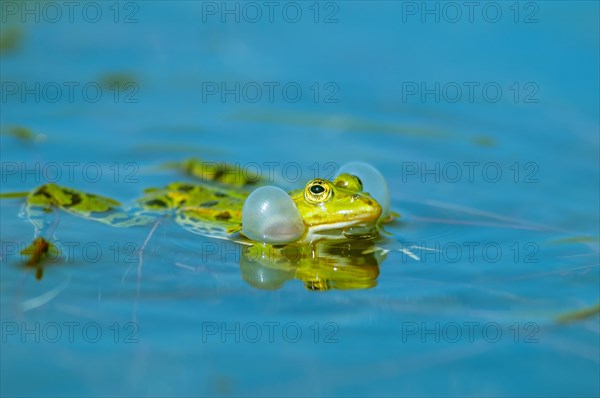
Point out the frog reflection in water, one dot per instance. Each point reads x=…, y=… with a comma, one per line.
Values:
x=329, y=225
x=322, y=266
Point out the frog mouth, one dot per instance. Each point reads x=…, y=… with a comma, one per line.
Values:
x=355, y=229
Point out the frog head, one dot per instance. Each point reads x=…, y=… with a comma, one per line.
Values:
x=336, y=209
x=323, y=209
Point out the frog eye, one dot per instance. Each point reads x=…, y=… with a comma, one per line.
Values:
x=348, y=181
x=372, y=182
x=269, y=215
x=317, y=191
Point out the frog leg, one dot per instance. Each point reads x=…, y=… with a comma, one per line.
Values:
x=41, y=207
x=44, y=201
x=214, y=212
x=220, y=172
x=212, y=223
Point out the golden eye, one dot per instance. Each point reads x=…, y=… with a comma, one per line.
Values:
x=318, y=191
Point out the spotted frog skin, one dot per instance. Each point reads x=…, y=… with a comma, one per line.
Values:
x=327, y=208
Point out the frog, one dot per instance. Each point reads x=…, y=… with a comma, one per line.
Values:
x=323, y=209
x=222, y=206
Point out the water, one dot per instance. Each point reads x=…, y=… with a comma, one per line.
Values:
x=515, y=250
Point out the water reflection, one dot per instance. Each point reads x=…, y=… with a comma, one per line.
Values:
x=321, y=266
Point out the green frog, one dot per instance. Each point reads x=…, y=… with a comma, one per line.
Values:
x=324, y=213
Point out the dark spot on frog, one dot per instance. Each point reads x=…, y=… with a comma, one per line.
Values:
x=75, y=200
x=220, y=194
x=156, y=202
x=223, y=216
x=185, y=188
x=251, y=180
x=209, y=203
x=219, y=174
x=42, y=191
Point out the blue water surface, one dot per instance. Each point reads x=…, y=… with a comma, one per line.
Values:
x=498, y=191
